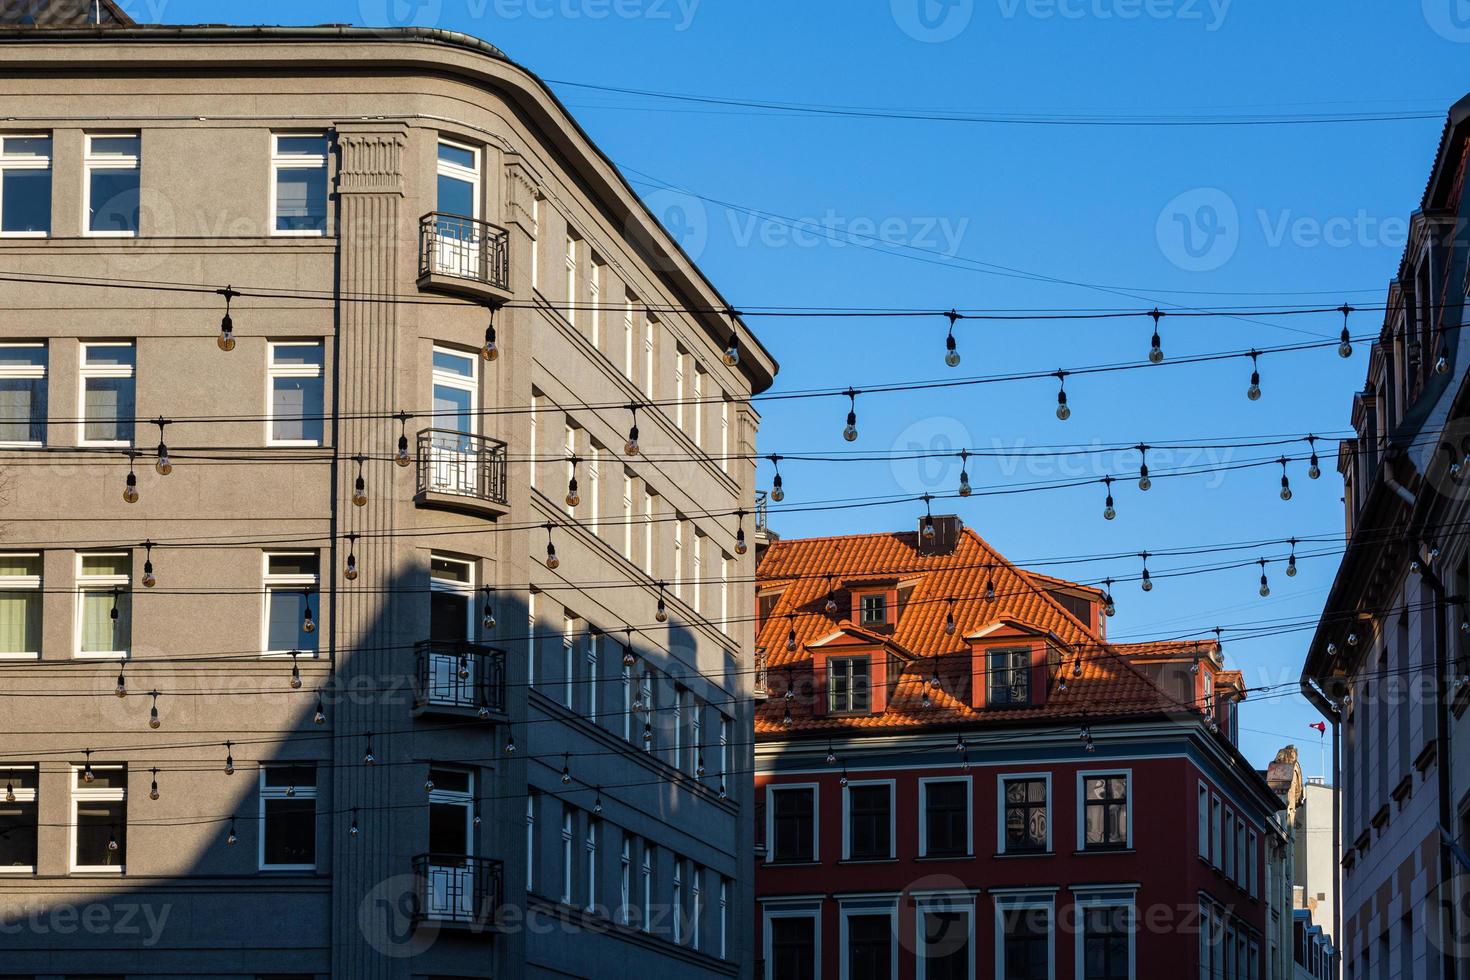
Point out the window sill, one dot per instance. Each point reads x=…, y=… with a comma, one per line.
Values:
x=881, y=860
x=1102, y=851
x=957, y=856
x=1025, y=854
x=791, y=864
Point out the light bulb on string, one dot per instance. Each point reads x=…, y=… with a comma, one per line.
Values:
x=489, y=351
x=368, y=759
x=925, y=701
x=231, y=838
x=552, y=561
x=319, y=716
x=1144, y=482
x=959, y=743
x=352, y=830
x=989, y=587
x=359, y=485
x=951, y=354
x=1345, y=346
x=597, y=803
x=574, y=497
x=401, y=456
x=1291, y=560
x=949, y=624
x=308, y=624
x=1314, y=465
x=153, y=788
x=1110, y=608
x=927, y=531
x=830, y=607
x=162, y=465
x=1156, y=347
x=740, y=546
x=130, y=488
x=791, y=636
x=350, y=571
x=122, y=684
x=1109, y=511
x=154, y=721
x=9, y=791
x=1063, y=411
x=778, y=493
x=226, y=339
x=1254, y=391
x=964, y=488
x=934, y=681
x=731, y=354
x=295, y=670
x=1077, y=665
x=87, y=774
x=1441, y=365
x=661, y=609
x=831, y=754
x=631, y=448
x=843, y=780
x=114, y=614
x=790, y=692
x=510, y=741
x=1265, y=589
x=149, y=580
x=1285, y=481
x=1146, y=583
x=229, y=759
x=849, y=431
x=487, y=614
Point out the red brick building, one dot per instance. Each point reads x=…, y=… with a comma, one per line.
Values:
x=959, y=777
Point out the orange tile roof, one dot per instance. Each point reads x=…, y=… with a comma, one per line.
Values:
x=805, y=569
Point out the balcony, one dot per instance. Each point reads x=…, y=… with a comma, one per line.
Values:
x=457, y=678
x=465, y=256
x=762, y=675
x=457, y=890
x=461, y=471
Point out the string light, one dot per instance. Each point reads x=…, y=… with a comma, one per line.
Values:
x=1345, y=346
x=231, y=838
x=122, y=684
x=791, y=642
x=114, y=614
x=368, y=759
x=928, y=526
x=732, y=346
x=1314, y=466
x=1109, y=511
x=573, y=496
x=597, y=803
x=510, y=740
x=1441, y=365
x=831, y=754
x=352, y=830
x=149, y=581
x=162, y=465
x=1291, y=560
x=226, y=340
x=949, y=626
x=1145, y=583
x=1063, y=412
x=965, y=489
x=552, y=561
x=9, y=791
x=566, y=768
x=740, y=546
x=153, y=789
x=295, y=670
x=1156, y=349
x=849, y=431
x=350, y=572
x=319, y=717
x=229, y=759
x=153, y=720
x=359, y=486
x=1265, y=586
x=630, y=448
x=308, y=625
x=959, y=742
x=778, y=494
x=989, y=585
x=401, y=457
x=661, y=610
x=1352, y=639
x=490, y=351
x=830, y=608
x=951, y=354
x=130, y=488
x=487, y=615
x=1077, y=665
x=843, y=780
x=1144, y=483
x=1109, y=607
x=1285, y=483
x=87, y=774
x=1254, y=391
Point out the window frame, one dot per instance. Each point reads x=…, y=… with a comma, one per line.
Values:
x=1025, y=901
x=269, y=584
x=92, y=161
x=881, y=601
x=867, y=908
x=1000, y=785
x=771, y=790
x=1082, y=802
x=86, y=372
x=28, y=583
x=274, y=372
x=267, y=793
x=80, y=793
x=121, y=584
x=806, y=910
x=835, y=665
x=31, y=372
x=18, y=162
x=892, y=787
x=1011, y=670
x=299, y=161
x=943, y=905
x=1084, y=902
x=31, y=795
x=924, y=783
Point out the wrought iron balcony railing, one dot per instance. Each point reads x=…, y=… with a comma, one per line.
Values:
x=459, y=464
x=457, y=677
x=458, y=889
x=457, y=247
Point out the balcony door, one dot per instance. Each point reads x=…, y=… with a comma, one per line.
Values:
x=452, y=672
x=458, y=246
x=449, y=890
x=456, y=465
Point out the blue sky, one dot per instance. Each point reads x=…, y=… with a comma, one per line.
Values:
x=1299, y=215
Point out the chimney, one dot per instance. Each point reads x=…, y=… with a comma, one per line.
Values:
x=947, y=528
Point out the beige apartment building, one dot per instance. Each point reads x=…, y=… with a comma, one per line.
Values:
x=491, y=767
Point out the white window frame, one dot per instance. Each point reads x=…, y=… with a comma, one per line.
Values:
x=725, y=434
x=438, y=377
x=594, y=485
x=645, y=873
x=625, y=880
x=1217, y=827
x=535, y=244
x=535, y=463
x=531, y=840
x=816, y=790
x=805, y=910
x=1082, y=776
x=1253, y=842
x=470, y=175
x=676, y=584
x=892, y=785
x=679, y=357
x=697, y=415
x=726, y=562
x=86, y=372
x=696, y=734
x=629, y=356
x=649, y=518
x=627, y=685
x=287, y=583
x=678, y=726
x=1018, y=901
x=724, y=746
x=867, y=907
x=80, y=793
x=628, y=489
x=1204, y=821
x=724, y=918
x=589, y=844
x=297, y=161
x=678, y=904
x=279, y=793
x=1000, y=810
x=650, y=325
x=531, y=644
x=273, y=372
x=590, y=655
x=20, y=162
x=29, y=372
x=567, y=836
x=464, y=588
x=111, y=161
x=27, y=583
x=571, y=283
x=924, y=783
x=570, y=447
x=569, y=657
x=696, y=570
x=594, y=288
x=942, y=904
x=27, y=794
x=1084, y=900
x=646, y=689
x=104, y=584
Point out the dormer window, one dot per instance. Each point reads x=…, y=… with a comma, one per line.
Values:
x=1010, y=677
x=873, y=609
x=848, y=688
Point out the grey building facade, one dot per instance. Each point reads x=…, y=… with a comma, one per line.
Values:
x=496, y=763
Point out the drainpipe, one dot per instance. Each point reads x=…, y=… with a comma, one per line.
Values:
x=1404, y=492
x=1442, y=763
x=1329, y=711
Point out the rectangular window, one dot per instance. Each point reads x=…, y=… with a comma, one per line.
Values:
x=793, y=832
x=568, y=657
x=873, y=610
x=105, y=605
x=290, y=621
x=678, y=899
x=1105, y=811
x=531, y=639
x=869, y=821
x=533, y=464
x=590, y=846
x=112, y=165
x=299, y=183
x=108, y=393
x=590, y=658
x=1204, y=821
x=288, y=817
x=531, y=841
x=20, y=606
x=646, y=699
x=679, y=358
x=629, y=356
x=566, y=855
x=1025, y=943
x=25, y=186
x=727, y=565
x=1106, y=939
x=945, y=804
x=457, y=196
x=18, y=822
x=645, y=875
x=625, y=881
x=23, y=394
x=1026, y=824
x=696, y=415
x=1216, y=815
x=696, y=737
x=724, y=747
x=869, y=951
x=696, y=905
x=1010, y=677
x=680, y=694
x=296, y=405
x=99, y=828
x=1252, y=842
x=650, y=325
x=627, y=685
x=793, y=941
x=725, y=435
x=571, y=282
x=724, y=918
x=628, y=515
x=944, y=944
x=677, y=585
x=848, y=690
x=594, y=301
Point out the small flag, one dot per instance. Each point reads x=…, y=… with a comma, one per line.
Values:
x=1321, y=727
